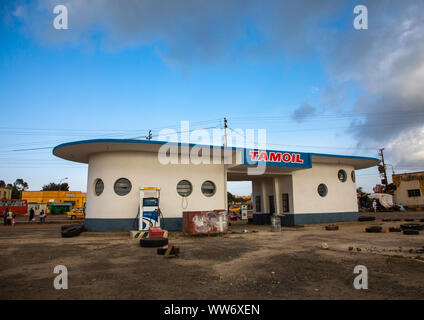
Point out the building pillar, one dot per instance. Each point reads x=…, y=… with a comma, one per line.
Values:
x=277, y=196
x=264, y=196
x=225, y=188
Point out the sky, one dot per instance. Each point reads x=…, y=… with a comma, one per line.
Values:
x=298, y=69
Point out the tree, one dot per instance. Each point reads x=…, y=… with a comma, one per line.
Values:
x=230, y=197
x=18, y=186
x=2, y=184
x=56, y=187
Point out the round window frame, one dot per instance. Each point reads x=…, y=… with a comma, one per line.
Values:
x=214, y=188
x=353, y=176
x=95, y=184
x=124, y=194
x=191, y=188
x=326, y=190
x=344, y=174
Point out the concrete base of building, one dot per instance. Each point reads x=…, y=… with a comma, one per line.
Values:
x=171, y=224
x=289, y=220
x=310, y=218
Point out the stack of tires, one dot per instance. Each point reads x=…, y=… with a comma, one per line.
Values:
x=72, y=230
x=411, y=228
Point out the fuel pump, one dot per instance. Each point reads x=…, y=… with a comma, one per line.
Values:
x=149, y=215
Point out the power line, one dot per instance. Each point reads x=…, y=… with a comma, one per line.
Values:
x=33, y=149
x=306, y=146
x=150, y=135
x=277, y=117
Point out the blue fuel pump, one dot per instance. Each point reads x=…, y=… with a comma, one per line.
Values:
x=149, y=215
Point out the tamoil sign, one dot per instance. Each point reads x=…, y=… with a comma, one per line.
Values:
x=278, y=158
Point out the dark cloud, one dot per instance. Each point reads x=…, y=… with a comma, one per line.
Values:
x=185, y=29
x=387, y=62
x=303, y=112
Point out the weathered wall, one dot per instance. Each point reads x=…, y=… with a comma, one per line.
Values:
x=409, y=182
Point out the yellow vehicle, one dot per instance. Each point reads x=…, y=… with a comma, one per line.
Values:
x=234, y=209
x=76, y=214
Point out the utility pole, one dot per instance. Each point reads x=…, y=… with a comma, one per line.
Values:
x=225, y=127
x=149, y=137
x=382, y=168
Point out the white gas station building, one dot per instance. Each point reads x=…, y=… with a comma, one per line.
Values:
x=304, y=187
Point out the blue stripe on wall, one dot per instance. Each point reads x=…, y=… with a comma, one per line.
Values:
x=171, y=224
x=307, y=218
x=176, y=224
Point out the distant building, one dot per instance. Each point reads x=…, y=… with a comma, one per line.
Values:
x=409, y=189
x=40, y=199
x=5, y=193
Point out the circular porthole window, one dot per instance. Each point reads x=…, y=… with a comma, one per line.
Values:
x=184, y=188
x=342, y=175
x=208, y=188
x=322, y=190
x=98, y=187
x=122, y=187
x=352, y=174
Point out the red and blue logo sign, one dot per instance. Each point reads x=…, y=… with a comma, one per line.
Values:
x=278, y=158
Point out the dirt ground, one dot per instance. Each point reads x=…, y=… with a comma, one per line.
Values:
x=256, y=265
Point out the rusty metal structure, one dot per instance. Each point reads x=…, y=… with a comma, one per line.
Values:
x=205, y=222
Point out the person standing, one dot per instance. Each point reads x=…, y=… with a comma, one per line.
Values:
x=9, y=218
x=42, y=216
x=374, y=206
x=31, y=214
x=5, y=212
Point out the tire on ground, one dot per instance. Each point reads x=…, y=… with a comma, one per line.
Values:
x=393, y=229
x=71, y=232
x=410, y=232
x=411, y=226
x=366, y=218
x=332, y=227
x=67, y=226
x=153, y=242
x=373, y=229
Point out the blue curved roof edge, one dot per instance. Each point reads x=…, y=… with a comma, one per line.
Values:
x=193, y=144
x=343, y=156
x=137, y=141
